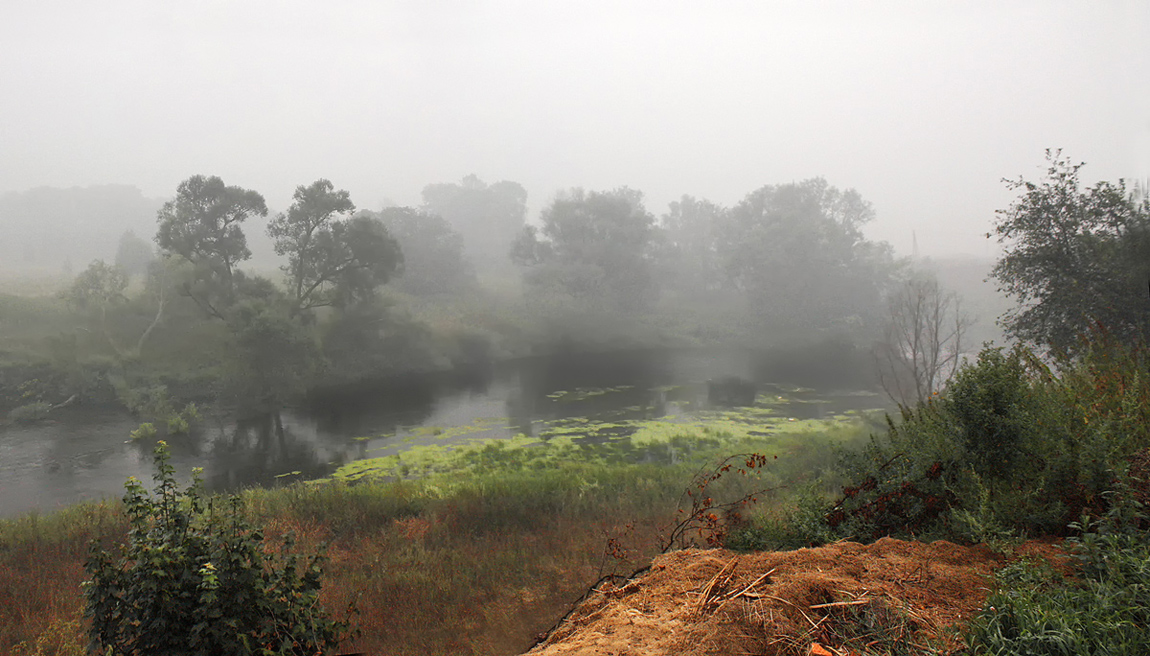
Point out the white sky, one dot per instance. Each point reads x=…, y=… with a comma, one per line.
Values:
x=921, y=106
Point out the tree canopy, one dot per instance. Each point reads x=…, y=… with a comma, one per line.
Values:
x=592, y=245
x=133, y=254
x=333, y=258
x=798, y=252
x=433, y=252
x=487, y=216
x=203, y=223
x=1074, y=258
x=690, y=245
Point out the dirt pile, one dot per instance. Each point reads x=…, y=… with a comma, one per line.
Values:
x=838, y=598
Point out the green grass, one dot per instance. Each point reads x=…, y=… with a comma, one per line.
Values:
x=1104, y=609
x=24, y=321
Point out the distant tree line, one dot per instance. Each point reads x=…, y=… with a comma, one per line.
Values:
x=325, y=310
x=793, y=254
x=52, y=229
x=790, y=257
x=787, y=260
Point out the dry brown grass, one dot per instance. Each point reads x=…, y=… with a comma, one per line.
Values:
x=429, y=583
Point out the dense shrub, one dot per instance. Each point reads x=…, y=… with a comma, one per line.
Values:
x=1013, y=447
x=196, y=579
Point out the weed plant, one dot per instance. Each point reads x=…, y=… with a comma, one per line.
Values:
x=196, y=579
x=1104, y=609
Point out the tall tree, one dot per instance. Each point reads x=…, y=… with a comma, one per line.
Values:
x=1074, y=257
x=488, y=217
x=798, y=252
x=203, y=225
x=690, y=246
x=592, y=245
x=333, y=258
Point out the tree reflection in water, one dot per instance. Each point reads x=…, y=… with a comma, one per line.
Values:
x=261, y=451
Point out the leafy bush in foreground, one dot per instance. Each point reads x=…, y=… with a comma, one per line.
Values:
x=195, y=579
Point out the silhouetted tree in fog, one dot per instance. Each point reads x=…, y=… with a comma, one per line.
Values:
x=798, y=252
x=593, y=246
x=689, y=255
x=487, y=216
x=133, y=255
x=333, y=258
x=203, y=226
x=924, y=334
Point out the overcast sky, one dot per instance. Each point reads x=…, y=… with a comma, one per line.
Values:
x=921, y=106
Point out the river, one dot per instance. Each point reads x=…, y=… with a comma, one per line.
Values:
x=83, y=453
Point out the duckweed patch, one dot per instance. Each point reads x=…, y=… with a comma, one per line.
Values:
x=453, y=432
x=667, y=440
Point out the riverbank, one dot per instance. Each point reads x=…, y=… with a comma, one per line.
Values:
x=50, y=351
x=84, y=451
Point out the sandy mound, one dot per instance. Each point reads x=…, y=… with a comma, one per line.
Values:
x=841, y=596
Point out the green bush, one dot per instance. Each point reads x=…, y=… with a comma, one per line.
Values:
x=177, y=425
x=994, y=410
x=1012, y=448
x=148, y=401
x=145, y=431
x=800, y=525
x=196, y=579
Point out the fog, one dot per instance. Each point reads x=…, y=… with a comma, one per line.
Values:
x=922, y=108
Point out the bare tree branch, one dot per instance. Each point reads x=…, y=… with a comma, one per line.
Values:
x=923, y=340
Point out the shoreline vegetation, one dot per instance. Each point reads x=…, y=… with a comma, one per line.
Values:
x=44, y=361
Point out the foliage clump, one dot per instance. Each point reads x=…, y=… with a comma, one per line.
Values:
x=1013, y=447
x=1073, y=257
x=195, y=578
x=154, y=403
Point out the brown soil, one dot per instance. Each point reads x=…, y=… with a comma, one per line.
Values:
x=829, y=600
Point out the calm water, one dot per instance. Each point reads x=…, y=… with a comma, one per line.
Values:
x=85, y=454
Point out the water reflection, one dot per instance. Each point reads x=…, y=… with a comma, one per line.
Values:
x=262, y=451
